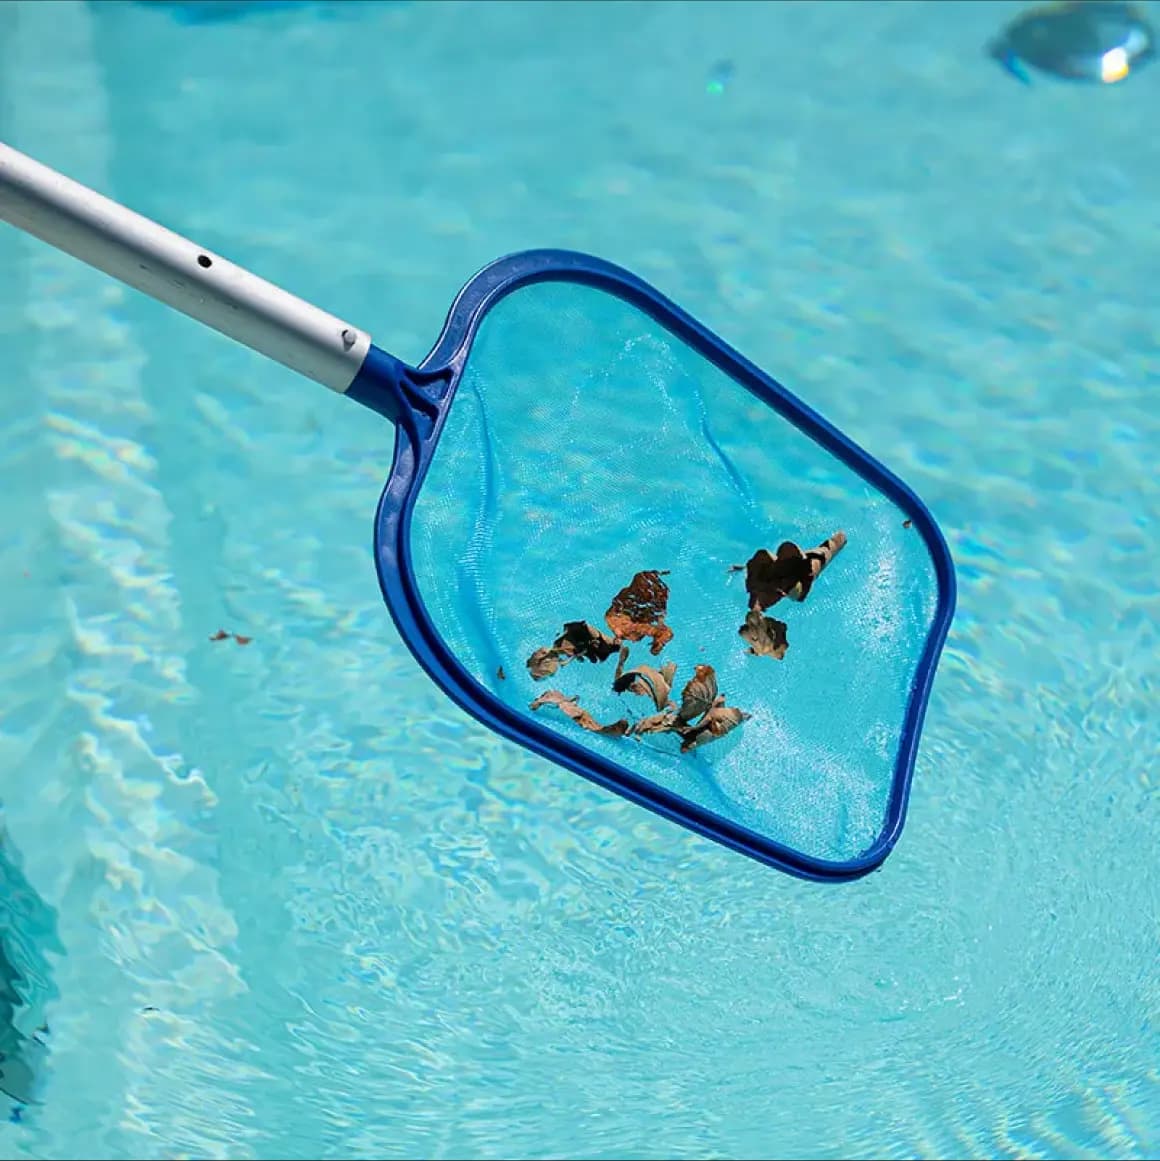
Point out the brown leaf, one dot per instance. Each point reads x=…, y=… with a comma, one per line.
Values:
x=242, y=640
x=662, y=723
x=500, y=674
x=821, y=556
x=648, y=682
x=580, y=640
x=766, y=635
x=570, y=706
x=620, y=664
x=791, y=573
x=769, y=578
x=585, y=641
x=698, y=694
x=220, y=635
x=544, y=662
x=719, y=721
x=638, y=610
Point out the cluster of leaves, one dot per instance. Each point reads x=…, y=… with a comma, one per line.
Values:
x=637, y=613
x=771, y=577
x=702, y=715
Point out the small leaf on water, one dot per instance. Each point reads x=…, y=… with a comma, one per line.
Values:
x=766, y=635
x=698, y=694
x=571, y=707
x=638, y=610
x=220, y=635
x=500, y=674
x=718, y=722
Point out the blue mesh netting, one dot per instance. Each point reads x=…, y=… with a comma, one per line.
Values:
x=586, y=444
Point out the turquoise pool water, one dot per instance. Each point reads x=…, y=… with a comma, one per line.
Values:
x=281, y=900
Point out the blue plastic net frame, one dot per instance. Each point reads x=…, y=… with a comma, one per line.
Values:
x=418, y=400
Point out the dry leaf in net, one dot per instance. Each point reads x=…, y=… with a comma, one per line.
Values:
x=719, y=721
x=698, y=695
x=620, y=664
x=768, y=578
x=585, y=641
x=766, y=635
x=648, y=682
x=571, y=707
x=791, y=573
x=819, y=557
x=663, y=723
x=544, y=662
x=638, y=610
x=580, y=640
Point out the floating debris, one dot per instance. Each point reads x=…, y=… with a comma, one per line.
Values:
x=719, y=721
x=571, y=707
x=638, y=610
x=222, y=635
x=791, y=573
x=767, y=636
x=1100, y=41
x=500, y=674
